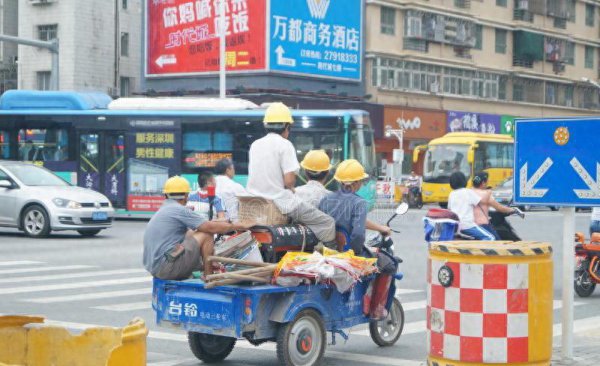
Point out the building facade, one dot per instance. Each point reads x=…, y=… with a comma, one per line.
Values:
x=481, y=62
x=99, y=44
x=9, y=25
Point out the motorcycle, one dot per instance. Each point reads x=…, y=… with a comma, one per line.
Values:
x=587, y=268
x=413, y=197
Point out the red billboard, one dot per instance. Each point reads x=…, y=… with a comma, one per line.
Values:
x=182, y=36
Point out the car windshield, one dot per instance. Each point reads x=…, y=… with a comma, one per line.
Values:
x=443, y=160
x=507, y=183
x=32, y=175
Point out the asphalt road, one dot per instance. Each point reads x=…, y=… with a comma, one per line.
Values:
x=79, y=282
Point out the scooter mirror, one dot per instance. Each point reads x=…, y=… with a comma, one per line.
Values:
x=402, y=209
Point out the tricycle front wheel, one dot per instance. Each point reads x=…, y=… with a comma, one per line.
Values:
x=302, y=341
x=386, y=332
x=210, y=348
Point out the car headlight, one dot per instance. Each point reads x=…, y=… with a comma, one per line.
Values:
x=61, y=202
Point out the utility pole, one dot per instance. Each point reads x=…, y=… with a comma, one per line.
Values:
x=51, y=46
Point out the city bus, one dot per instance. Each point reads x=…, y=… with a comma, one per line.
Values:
x=467, y=152
x=127, y=148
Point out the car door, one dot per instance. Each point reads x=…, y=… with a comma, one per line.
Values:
x=8, y=203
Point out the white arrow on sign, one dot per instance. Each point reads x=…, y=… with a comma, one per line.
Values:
x=592, y=183
x=285, y=61
x=166, y=60
x=527, y=185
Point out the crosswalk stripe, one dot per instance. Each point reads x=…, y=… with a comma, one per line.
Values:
x=74, y=285
x=71, y=275
x=402, y=291
x=126, y=306
x=92, y=296
x=44, y=269
x=579, y=325
x=18, y=263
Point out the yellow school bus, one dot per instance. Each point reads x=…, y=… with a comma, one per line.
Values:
x=467, y=152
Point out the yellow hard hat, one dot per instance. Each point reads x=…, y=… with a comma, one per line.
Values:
x=316, y=161
x=278, y=113
x=176, y=185
x=350, y=171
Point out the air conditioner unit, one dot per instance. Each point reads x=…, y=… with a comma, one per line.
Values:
x=523, y=5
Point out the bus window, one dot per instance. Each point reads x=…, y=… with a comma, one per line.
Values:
x=491, y=155
x=89, y=152
x=362, y=148
x=4, y=145
x=43, y=144
x=443, y=160
x=202, y=149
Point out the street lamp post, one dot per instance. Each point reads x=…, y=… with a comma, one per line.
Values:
x=398, y=153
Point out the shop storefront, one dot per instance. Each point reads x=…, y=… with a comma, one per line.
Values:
x=419, y=125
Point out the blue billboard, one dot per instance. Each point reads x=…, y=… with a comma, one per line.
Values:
x=321, y=38
x=557, y=162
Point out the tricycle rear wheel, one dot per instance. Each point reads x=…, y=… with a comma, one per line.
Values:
x=386, y=332
x=210, y=348
x=301, y=342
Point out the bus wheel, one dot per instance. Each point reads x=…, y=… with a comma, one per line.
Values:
x=35, y=222
x=88, y=233
x=302, y=341
x=210, y=348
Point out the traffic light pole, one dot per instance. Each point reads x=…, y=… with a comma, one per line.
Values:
x=51, y=46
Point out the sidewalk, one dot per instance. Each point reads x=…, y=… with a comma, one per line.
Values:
x=586, y=350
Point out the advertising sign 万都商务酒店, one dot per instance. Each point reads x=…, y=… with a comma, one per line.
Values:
x=182, y=37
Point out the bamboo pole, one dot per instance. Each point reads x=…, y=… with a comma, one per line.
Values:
x=237, y=261
x=251, y=271
x=241, y=277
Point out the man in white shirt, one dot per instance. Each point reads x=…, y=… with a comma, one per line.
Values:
x=227, y=188
x=462, y=202
x=272, y=172
x=316, y=165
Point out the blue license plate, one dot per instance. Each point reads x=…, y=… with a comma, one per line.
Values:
x=99, y=216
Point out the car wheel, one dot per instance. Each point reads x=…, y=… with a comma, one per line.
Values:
x=88, y=233
x=35, y=222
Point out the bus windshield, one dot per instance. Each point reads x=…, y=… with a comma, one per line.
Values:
x=443, y=160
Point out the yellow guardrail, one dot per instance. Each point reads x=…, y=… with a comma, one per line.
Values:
x=26, y=341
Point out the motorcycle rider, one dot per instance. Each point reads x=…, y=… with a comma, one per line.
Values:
x=481, y=211
x=316, y=165
x=350, y=213
x=178, y=241
x=463, y=202
x=272, y=169
x=413, y=183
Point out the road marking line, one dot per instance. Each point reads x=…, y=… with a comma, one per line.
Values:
x=43, y=269
x=68, y=286
x=402, y=291
x=126, y=306
x=71, y=275
x=579, y=325
x=18, y=263
x=92, y=296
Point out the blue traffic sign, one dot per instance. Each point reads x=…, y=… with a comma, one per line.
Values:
x=321, y=38
x=557, y=162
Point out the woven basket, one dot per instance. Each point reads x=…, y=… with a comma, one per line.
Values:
x=261, y=210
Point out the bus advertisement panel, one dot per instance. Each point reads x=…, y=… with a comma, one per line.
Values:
x=154, y=154
x=182, y=36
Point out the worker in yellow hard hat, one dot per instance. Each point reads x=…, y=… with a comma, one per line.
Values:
x=178, y=241
x=316, y=165
x=350, y=213
x=272, y=169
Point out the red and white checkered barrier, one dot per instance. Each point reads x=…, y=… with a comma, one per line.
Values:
x=482, y=314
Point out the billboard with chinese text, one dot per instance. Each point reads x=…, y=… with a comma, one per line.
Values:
x=182, y=38
x=316, y=37
x=473, y=122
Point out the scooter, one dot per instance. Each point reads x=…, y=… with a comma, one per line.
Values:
x=413, y=197
x=587, y=268
x=504, y=229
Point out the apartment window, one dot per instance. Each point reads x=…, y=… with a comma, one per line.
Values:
x=388, y=20
x=125, y=86
x=502, y=88
x=569, y=56
x=569, y=96
x=124, y=4
x=589, y=57
x=478, y=36
x=43, y=80
x=500, y=40
x=571, y=10
x=590, y=12
x=551, y=93
x=518, y=92
x=47, y=32
x=502, y=3
x=124, y=44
